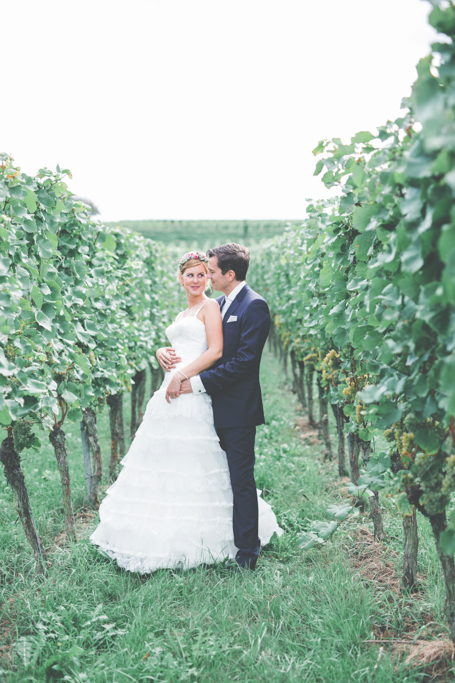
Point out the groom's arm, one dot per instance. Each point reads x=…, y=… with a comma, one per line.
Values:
x=255, y=329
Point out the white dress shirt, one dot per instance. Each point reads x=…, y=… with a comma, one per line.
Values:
x=196, y=382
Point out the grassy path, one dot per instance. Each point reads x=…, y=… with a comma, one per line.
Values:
x=301, y=616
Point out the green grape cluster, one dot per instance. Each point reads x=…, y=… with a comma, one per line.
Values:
x=22, y=436
x=403, y=441
x=448, y=485
x=10, y=352
x=389, y=435
x=410, y=421
x=358, y=412
x=92, y=359
x=397, y=434
x=311, y=358
x=329, y=366
x=407, y=442
x=430, y=472
x=434, y=501
x=355, y=385
x=350, y=391
x=423, y=462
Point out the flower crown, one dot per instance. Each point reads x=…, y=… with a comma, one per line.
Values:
x=199, y=255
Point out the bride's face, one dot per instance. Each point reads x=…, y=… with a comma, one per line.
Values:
x=194, y=280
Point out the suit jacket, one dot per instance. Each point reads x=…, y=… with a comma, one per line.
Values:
x=233, y=382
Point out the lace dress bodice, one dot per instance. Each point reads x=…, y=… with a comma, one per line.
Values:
x=188, y=337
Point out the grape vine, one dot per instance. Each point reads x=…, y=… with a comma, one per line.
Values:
x=367, y=283
x=83, y=309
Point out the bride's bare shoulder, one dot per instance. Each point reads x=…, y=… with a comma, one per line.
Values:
x=210, y=309
x=212, y=304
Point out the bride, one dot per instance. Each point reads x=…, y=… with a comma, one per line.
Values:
x=172, y=504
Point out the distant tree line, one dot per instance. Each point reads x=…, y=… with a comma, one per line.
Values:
x=205, y=234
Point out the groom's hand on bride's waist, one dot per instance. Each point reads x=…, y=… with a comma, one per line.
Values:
x=185, y=387
x=167, y=358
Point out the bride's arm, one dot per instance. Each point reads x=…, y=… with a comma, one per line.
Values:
x=211, y=317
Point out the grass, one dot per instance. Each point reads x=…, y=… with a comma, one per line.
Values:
x=301, y=616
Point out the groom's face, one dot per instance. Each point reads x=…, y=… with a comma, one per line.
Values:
x=220, y=282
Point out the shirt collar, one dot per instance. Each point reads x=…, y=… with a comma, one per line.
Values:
x=235, y=291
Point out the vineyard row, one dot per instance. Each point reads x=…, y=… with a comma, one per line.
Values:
x=83, y=309
x=363, y=296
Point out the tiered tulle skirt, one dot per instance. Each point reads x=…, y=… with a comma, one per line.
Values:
x=171, y=506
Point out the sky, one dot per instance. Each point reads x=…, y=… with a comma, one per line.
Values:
x=200, y=109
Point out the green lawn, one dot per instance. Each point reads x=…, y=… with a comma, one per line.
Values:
x=301, y=616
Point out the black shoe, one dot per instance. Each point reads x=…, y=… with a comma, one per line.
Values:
x=247, y=559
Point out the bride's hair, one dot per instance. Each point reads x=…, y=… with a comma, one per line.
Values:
x=193, y=258
x=191, y=263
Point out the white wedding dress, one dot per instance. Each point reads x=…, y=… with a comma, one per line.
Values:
x=171, y=506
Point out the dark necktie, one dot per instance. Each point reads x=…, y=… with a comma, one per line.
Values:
x=224, y=305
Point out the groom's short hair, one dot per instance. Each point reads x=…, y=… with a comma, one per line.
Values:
x=234, y=257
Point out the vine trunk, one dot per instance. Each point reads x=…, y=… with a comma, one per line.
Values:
x=137, y=400
x=88, y=425
x=295, y=373
x=375, y=511
x=324, y=420
x=309, y=385
x=57, y=439
x=115, y=403
x=339, y=420
x=157, y=377
x=353, y=450
x=438, y=524
x=411, y=548
x=301, y=384
x=15, y=478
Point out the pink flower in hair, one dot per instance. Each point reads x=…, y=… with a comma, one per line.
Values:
x=199, y=255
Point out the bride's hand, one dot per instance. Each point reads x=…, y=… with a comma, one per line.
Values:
x=173, y=389
x=167, y=358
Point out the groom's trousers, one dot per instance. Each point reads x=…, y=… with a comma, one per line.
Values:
x=238, y=443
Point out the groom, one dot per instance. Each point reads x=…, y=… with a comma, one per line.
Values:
x=233, y=384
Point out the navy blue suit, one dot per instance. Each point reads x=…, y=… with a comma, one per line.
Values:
x=233, y=384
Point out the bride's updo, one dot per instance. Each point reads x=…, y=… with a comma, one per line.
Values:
x=191, y=259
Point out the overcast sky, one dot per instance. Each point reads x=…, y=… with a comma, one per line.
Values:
x=199, y=109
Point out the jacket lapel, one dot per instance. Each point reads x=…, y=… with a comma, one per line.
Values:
x=235, y=304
